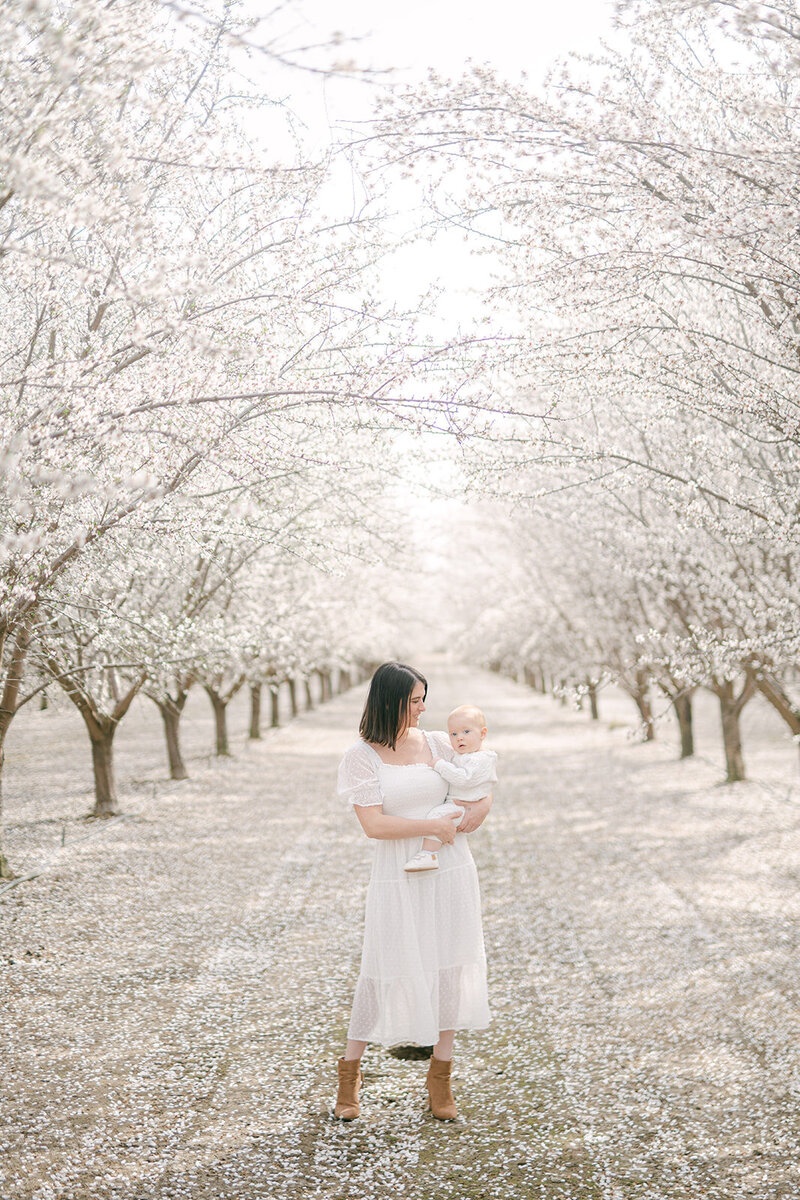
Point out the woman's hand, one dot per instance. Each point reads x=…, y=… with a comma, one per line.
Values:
x=380, y=825
x=475, y=814
x=443, y=828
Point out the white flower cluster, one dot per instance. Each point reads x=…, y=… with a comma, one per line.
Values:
x=646, y=202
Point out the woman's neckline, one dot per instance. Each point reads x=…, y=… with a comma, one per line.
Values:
x=383, y=762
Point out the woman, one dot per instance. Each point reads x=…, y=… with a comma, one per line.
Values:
x=423, y=968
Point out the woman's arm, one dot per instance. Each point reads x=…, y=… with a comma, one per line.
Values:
x=378, y=824
x=475, y=814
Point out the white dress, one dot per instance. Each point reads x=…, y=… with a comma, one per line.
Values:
x=423, y=966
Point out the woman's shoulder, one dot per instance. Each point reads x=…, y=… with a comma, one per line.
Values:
x=439, y=735
x=439, y=740
x=360, y=752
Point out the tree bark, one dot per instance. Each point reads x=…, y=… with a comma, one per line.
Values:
x=275, y=710
x=309, y=697
x=324, y=685
x=220, y=708
x=640, y=694
x=345, y=682
x=8, y=709
x=642, y=701
x=101, y=735
x=535, y=679
x=773, y=690
x=731, y=707
x=255, y=711
x=171, y=710
x=292, y=683
x=101, y=728
x=5, y=866
x=682, y=703
x=171, y=716
x=591, y=691
x=732, y=741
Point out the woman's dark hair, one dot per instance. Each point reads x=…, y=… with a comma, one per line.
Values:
x=385, y=714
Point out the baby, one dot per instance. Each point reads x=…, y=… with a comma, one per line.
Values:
x=470, y=778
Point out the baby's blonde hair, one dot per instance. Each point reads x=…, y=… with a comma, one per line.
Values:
x=469, y=710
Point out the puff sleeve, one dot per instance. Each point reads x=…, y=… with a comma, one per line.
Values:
x=439, y=742
x=358, y=777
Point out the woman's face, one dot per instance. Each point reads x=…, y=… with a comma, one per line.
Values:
x=416, y=705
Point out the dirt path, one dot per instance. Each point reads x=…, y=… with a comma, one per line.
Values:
x=176, y=992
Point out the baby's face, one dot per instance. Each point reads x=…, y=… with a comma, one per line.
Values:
x=466, y=734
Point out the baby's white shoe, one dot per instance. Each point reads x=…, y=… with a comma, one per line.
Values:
x=423, y=860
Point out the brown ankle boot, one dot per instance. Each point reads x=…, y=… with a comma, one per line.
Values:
x=347, y=1108
x=440, y=1096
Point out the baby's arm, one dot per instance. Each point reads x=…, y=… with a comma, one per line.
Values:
x=471, y=771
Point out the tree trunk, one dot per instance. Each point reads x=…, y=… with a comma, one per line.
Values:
x=324, y=685
x=591, y=691
x=309, y=697
x=105, y=784
x=5, y=869
x=682, y=703
x=773, y=690
x=731, y=707
x=275, y=712
x=171, y=716
x=255, y=711
x=345, y=682
x=220, y=708
x=641, y=698
x=8, y=708
x=293, y=695
x=101, y=728
x=534, y=679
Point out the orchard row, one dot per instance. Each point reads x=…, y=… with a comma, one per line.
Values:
x=196, y=385
x=644, y=206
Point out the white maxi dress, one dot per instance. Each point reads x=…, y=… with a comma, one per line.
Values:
x=423, y=966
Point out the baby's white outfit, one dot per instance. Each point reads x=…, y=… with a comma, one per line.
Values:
x=469, y=775
x=469, y=778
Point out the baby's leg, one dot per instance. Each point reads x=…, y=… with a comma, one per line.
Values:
x=426, y=859
x=442, y=810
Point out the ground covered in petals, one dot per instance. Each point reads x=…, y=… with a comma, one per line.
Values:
x=177, y=982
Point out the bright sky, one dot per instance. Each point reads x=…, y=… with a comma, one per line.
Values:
x=416, y=34
x=403, y=40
